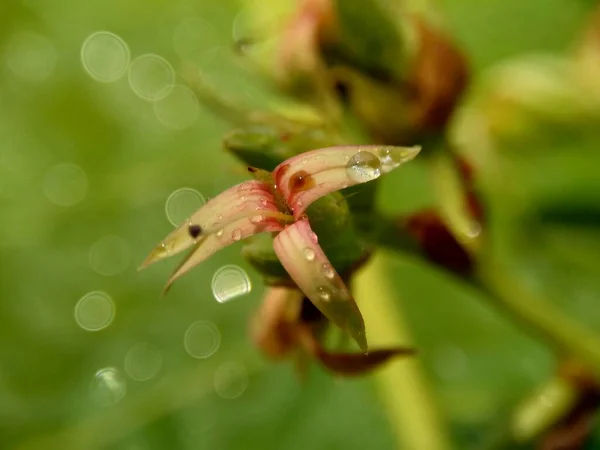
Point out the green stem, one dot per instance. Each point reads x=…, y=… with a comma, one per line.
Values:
x=403, y=388
x=557, y=329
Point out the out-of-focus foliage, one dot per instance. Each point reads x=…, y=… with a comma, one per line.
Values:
x=81, y=161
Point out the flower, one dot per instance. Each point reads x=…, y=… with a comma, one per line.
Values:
x=276, y=202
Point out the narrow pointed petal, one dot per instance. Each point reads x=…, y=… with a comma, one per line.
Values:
x=309, y=176
x=304, y=260
x=247, y=199
x=209, y=245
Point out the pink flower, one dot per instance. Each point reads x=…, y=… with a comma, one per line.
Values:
x=276, y=202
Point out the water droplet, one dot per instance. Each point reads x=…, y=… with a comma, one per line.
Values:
x=230, y=380
x=344, y=185
x=363, y=166
x=236, y=235
x=220, y=232
x=94, y=311
x=30, y=56
x=108, y=386
x=328, y=271
x=110, y=255
x=151, y=77
x=304, y=161
x=230, y=282
x=219, y=217
x=256, y=219
x=309, y=254
x=65, y=184
x=313, y=237
x=143, y=361
x=181, y=204
x=299, y=203
x=202, y=339
x=263, y=201
x=105, y=56
x=324, y=293
x=178, y=110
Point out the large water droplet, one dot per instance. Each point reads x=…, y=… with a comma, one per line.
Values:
x=313, y=237
x=363, y=166
x=178, y=110
x=143, y=361
x=65, y=184
x=236, y=235
x=328, y=271
x=256, y=219
x=182, y=203
x=108, y=386
x=230, y=282
x=151, y=77
x=94, y=311
x=110, y=255
x=202, y=339
x=230, y=380
x=309, y=254
x=105, y=56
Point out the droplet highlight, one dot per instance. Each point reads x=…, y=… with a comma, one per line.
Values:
x=108, y=386
x=202, y=339
x=151, y=77
x=309, y=254
x=94, y=311
x=178, y=110
x=65, y=184
x=105, y=56
x=324, y=293
x=182, y=203
x=236, y=235
x=328, y=271
x=363, y=166
x=230, y=282
x=230, y=380
x=110, y=256
x=143, y=361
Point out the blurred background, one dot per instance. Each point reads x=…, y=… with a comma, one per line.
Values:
x=103, y=149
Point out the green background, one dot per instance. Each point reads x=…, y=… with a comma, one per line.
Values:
x=479, y=362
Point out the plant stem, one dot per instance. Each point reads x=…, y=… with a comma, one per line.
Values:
x=402, y=385
x=557, y=329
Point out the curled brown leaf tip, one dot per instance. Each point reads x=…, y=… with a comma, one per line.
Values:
x=359, y=363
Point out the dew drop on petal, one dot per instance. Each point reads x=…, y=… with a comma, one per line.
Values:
x=324, y=293
x=256, y=219
x=309, y=254
x=202, y=339
x=230, y=380
x=151, y=77
x=230, y=282
x=363, y=166
x=178, y=110
x=143, y=361
x=108, y=386
x=65, y=184
x=105, y=56
x=219, y=232
x=328, y=271
x=236, y=235
x=181, y=204
x=263, y=201
x=94, y=311
x=313, y=237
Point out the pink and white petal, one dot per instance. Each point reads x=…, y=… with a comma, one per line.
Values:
x=312, y=175
x=302, y=257
x=228, y=235
x=242, y=201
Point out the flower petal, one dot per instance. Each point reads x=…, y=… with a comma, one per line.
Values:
x=309, y=176
x=228, y=235
x=251, y=198
x=304, y=260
